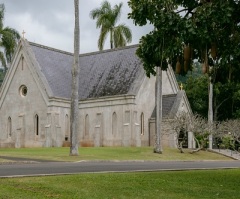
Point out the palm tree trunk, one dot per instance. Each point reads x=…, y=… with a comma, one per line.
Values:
x=75, y=84
x=158, y=101
x=111, y=38
x=210, y=110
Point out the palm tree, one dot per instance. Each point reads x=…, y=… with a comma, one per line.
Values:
x=8, y=40
x=107, y=17
x=74, y=127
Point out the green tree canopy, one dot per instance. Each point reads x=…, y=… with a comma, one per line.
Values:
x=106, y=19
x=8, y=40
x=207, y=30
x=226, y=100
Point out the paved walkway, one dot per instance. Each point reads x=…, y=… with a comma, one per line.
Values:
x=61, y=168
x=228, y=153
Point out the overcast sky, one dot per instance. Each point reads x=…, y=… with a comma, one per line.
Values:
x=51, y=22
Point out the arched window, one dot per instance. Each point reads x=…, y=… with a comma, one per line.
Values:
x=22, y=62
x=9, y=127
x=114, y=124
x=142, y=124
x=86, y=133
x=67, y=128
x=36, y=124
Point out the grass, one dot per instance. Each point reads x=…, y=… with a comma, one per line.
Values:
x=108, y=153
x=170, y=185
x=202, y=184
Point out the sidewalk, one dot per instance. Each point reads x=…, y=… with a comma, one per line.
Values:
x=229, y=153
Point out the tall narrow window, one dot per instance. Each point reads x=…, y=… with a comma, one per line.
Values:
x=142, y=124
x=127, y=117
x=114, y=124
x=22, y=62
x=86, y=126
x=9, y=126
x=36, y=124
x=67, y=130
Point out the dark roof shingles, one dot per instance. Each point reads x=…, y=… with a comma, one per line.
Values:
x=105, y=73
x=167, y=104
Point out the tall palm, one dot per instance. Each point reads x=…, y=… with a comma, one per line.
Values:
x=8, y=40
x=107, y=17
x=74, y=127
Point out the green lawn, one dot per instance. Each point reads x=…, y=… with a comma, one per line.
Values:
x=202, y=184
x=108, y=153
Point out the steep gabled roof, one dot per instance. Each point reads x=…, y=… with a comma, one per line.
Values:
x=173, y=103
x=167, y=105
x=104, y=73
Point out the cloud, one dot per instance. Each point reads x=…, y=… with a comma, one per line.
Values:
x=51, y=22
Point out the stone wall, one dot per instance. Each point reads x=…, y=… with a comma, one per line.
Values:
x=23, y=108
x=109, y=121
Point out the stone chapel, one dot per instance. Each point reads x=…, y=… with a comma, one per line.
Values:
x=116, y=99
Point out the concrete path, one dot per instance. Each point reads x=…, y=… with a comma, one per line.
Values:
x=229, y=153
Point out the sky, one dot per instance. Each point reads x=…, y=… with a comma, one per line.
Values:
x=51, y=22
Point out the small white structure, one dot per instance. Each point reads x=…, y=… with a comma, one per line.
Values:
x=116, y=99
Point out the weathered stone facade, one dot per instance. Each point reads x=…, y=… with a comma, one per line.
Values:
x=116, y=99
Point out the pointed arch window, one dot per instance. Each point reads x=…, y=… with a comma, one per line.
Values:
x=142, y=124
x=67, y=128
x=114, y=124
x=22, y=62
x=36, y=124
x=86, y=133
x=9, y=127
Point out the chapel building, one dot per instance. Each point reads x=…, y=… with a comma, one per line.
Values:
x=116, y=99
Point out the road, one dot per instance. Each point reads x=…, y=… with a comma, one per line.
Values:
x=60, y=168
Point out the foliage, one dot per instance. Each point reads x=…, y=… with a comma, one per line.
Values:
x=228, y=134
x=209, y=28
x=226, y=100
x=8, y=40
x=201, y=129
x=227, y=142
x=196, y=72
x=106, y=19
x=2, y=74
x=197, y=92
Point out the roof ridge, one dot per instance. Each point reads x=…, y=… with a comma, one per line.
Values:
x=108, y=50
x=83, y=54
x=49, y=48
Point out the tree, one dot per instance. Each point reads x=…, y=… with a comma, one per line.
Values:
x=226, y=98
x=8, y=40
x=206, y=30
x=107, y=17
x=229, y=134
x=197, y=125
x=197, y=93
x=158, y=103
x=74, y=127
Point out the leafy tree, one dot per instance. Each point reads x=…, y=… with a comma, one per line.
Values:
x=8, y=40
x=206, y=30
x=229, y=134
x=226, y=98
x=197, y=92
x=106, y=19
x=74, y=127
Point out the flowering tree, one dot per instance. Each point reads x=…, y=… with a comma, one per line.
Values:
x=184, y=123
x=229, y=134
